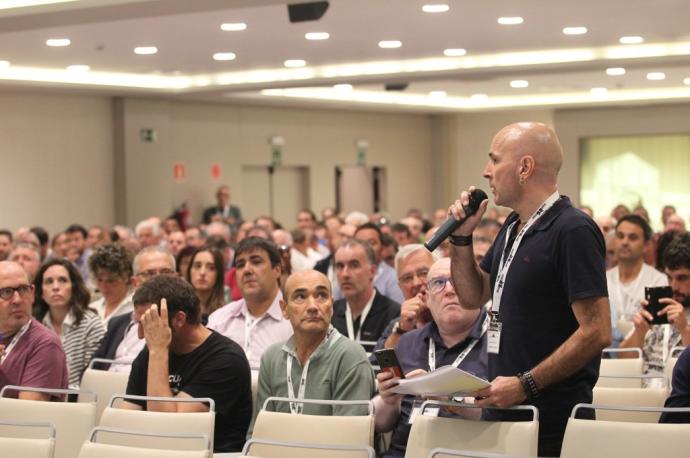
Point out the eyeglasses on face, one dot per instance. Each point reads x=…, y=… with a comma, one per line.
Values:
x=409, y=277
x=438, y=284
x=8, y=292
x=154, y=272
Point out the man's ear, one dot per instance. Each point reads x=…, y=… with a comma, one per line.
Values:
x=178, y=320
x=283, y=308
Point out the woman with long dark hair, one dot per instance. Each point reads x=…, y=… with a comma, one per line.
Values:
x=61, y=304
x=206, y=273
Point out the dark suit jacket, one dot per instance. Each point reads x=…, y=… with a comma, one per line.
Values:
x=234, y=213
x=117, y=326
x=383, y=310
x=322, y=265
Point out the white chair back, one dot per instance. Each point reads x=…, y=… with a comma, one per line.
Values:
x=104, y=383
x=615, y=367
x=94, y=449
x=629, y=397
x=613, y=439
x=430, y=432
x=443, y=452
x=73, y=420
x=17, y=437
x=200, y=423
x=298, y=449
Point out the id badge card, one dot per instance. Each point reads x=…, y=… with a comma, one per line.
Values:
x=493, y=336
x=417, y=408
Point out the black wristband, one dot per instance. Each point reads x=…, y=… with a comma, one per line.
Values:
x=528, y=385
x=461, y=240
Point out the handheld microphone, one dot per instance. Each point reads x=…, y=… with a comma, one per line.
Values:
x=476, y=198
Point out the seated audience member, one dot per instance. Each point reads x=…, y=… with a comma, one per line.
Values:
x=385, y=280
x=58, y=246
x=680, y=395
x=111, y=268
x=255, y=321
x=5, y=244
x=30, y=355
x=619, y=211
x=148, y=232
x=412, y=265
x=364, y=312
x=62, y=305
x=455, y=336
x=176, y=242
x=302, y=256
x=337, y=235
x=206, y=273
x=182, y=358
x=27, y=256
x=321, y=363
x=96, y=236
x=626, y=282
x=121, y=341
x=43, y=240
x=416, y=225
x=77, y=252
x=184, y=259
x=388, y=250
x=443, y=249
x=675, y=223
x=194, y=237
x=657, y=341
x=402, y=234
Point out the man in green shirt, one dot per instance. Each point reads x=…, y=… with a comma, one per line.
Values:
x=317, y=362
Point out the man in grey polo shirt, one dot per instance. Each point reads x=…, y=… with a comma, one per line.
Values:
x=317, y=362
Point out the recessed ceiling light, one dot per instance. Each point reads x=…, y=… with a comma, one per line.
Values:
x=436, y=8
x=615, y=71
x=575, y=30
x=294, y=63
x=454, y=52
x=656, y=76
x=78, y=68
x=390, y=44
x=145, y=50
x=317, y=36
x=598, y=91
x=224, y=56
x=438, y=94
x=631, y=40
x=58, y=42
x=519, y=84
x=233, y=26
x=342, y=87
x=685, y=81
x=4, y=63
x=510, y=20
x=479, y=97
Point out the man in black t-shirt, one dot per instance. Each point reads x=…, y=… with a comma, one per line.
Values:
x=184, y=359
x=545, y=275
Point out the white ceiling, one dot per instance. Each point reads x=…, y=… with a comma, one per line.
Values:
x=187, y=33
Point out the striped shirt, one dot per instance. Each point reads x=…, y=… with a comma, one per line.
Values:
x=79, y=342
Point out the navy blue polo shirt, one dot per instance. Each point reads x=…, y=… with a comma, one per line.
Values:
x=560, y=260
x=413, y=353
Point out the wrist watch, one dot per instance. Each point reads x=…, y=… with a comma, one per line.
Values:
x=397, y=329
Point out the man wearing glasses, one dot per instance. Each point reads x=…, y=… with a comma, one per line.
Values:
x=30, y=354
x=121, y=341
x=456, y=336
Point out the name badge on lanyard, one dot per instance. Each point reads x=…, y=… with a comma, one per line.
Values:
x=495, y=327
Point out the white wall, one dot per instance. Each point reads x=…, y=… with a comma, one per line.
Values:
x=57, y=162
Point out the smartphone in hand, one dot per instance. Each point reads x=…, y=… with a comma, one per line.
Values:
x=388, y=361
x=652, y=294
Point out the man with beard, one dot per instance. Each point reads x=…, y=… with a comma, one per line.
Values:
x=657, y=341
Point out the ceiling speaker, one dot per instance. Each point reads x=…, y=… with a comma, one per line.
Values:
x=310, y=11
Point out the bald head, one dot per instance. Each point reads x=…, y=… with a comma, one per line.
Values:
x=12, y=268
x=536, y=140
x=310, y=278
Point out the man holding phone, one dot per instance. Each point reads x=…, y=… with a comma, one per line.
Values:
x=657, y=340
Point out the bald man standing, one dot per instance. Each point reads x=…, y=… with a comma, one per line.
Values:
x=546, y=277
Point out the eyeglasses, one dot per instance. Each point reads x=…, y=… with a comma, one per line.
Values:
x=438, y=284
x=146, y=274
x=409, y=278
x=7, y=293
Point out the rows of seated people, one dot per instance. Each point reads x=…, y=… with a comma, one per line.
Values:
x=191, y=311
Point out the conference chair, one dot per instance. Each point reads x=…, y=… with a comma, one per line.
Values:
x=27, y=439
x=325, y=430
x=104, y=383
x=616, y=367
x=73, y=420
x=156, y=422
x=629, y=397
x=300, y=449
x=444, y=452
x=93, y=448
x=614, y=439
x=508, y=437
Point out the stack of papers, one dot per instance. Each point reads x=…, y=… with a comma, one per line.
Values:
x=445, y=381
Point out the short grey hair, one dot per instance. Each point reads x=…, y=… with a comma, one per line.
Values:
x=28, y=246
x=368, y=250
x=407, y=250
x=147, y=223
x=152, y=249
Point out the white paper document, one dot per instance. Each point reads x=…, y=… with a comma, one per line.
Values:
x=445, y=381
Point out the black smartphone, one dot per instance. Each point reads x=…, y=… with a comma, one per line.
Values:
x=652, y=294
x=388, y=361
